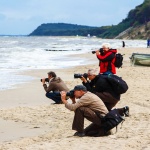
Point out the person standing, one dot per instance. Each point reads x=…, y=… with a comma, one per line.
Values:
x=123, y=44
x=148, y=43
x=106, y=57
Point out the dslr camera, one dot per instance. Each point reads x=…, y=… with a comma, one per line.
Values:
x=70, y=93
x=46, y=80
x=78, y=75
x=100, y=50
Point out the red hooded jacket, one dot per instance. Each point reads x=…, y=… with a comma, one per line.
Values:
x=107, y=60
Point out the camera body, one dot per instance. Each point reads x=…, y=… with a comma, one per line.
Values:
x=78, y=75
x=100, y=50
x=46, y=80
x=70, y=93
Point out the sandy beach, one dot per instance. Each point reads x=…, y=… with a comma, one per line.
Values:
x=30, y=121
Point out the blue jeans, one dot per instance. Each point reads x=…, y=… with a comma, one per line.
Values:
x=54, y=97
x=107, y=72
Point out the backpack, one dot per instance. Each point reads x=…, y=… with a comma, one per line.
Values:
x=111, y=120
x=119, y=60
x=117, y=83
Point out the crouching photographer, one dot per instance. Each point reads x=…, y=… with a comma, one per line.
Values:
x=54, y=85
x=100, y=86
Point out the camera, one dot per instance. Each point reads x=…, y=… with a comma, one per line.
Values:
x=78, y=75
x=46, y=80
x=100, y=50
x=70, y=93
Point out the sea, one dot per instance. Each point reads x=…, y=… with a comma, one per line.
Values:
x=22, y=53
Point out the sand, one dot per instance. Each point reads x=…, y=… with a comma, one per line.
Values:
x=30, y=121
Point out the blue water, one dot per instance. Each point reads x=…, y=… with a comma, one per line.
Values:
x=22, y=53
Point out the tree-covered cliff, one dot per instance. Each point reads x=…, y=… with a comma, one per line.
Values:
x=137, y=19
x=64, y=29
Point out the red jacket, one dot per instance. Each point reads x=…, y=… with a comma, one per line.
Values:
x=107, y=61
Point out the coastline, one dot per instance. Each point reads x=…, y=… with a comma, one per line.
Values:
x=37, y=124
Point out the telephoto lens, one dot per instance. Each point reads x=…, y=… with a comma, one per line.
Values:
x=46, y=80
x=100, y=50
x=78, y=75
x=93, y=52
x=70, y=93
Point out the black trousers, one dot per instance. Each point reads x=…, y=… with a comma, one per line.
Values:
x=108, y=99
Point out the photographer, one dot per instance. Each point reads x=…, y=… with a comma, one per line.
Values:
x=99, y=85
x=106, y=58
x=55, y=84
x=88, y=106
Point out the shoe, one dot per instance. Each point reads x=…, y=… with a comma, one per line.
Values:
x=79, y=134
x=58, y=102
x=126, y=111
x=109, y=133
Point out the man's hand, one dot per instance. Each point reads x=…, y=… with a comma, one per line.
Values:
x=63, y=97
x=83, y=79
x=73, y=100
x=43, y=81
x=97, y=52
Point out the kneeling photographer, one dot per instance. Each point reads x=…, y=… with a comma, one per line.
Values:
x=87, y=106
x=53, y=85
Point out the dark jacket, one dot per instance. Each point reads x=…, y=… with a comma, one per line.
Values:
x=107, y=60
x=56, y=84
x=100, y=84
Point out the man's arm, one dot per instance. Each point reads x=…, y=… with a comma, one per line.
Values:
x=108, y=57
x=63, y=97
x=47, y=88
x=69, y=106
x=86, y=84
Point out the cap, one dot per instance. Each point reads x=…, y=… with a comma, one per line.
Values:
x=80, y=87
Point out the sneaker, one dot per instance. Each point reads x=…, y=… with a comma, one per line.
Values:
x=79, y=134
x=58, y=102
x=109, y=132
x=126, y=111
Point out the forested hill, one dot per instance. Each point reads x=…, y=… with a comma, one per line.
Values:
x=64, y=29
x=135, y=26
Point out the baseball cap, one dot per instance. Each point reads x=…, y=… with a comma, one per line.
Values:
x=80, y=87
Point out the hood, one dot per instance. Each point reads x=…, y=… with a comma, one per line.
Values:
x=113, y=50
x=56, y=79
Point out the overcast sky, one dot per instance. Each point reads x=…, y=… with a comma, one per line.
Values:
x=21, y=17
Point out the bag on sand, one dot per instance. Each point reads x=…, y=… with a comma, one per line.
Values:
x=111, y=120
x=117, y=83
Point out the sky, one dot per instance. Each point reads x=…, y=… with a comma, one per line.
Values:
x=21, y=17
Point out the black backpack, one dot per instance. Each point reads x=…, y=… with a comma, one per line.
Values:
x=117, y=83
x=119, y=60
x=111, y=120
